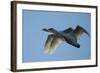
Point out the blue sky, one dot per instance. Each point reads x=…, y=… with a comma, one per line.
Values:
x=34, y=38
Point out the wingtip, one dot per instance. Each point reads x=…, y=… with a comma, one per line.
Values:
x=83, y=29
x=88, y=34
x=48, y=52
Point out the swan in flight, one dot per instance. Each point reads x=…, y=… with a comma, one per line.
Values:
x=70, y=36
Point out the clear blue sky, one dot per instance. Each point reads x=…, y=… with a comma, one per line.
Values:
x=34, y=38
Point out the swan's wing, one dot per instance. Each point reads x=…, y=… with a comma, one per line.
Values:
x=68, y=30
x=48, y=43
x=52, y=43
x=79, y=31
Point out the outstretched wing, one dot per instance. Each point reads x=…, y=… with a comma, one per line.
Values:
x=79, y=31
x=52, y=43
x=48, y=43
